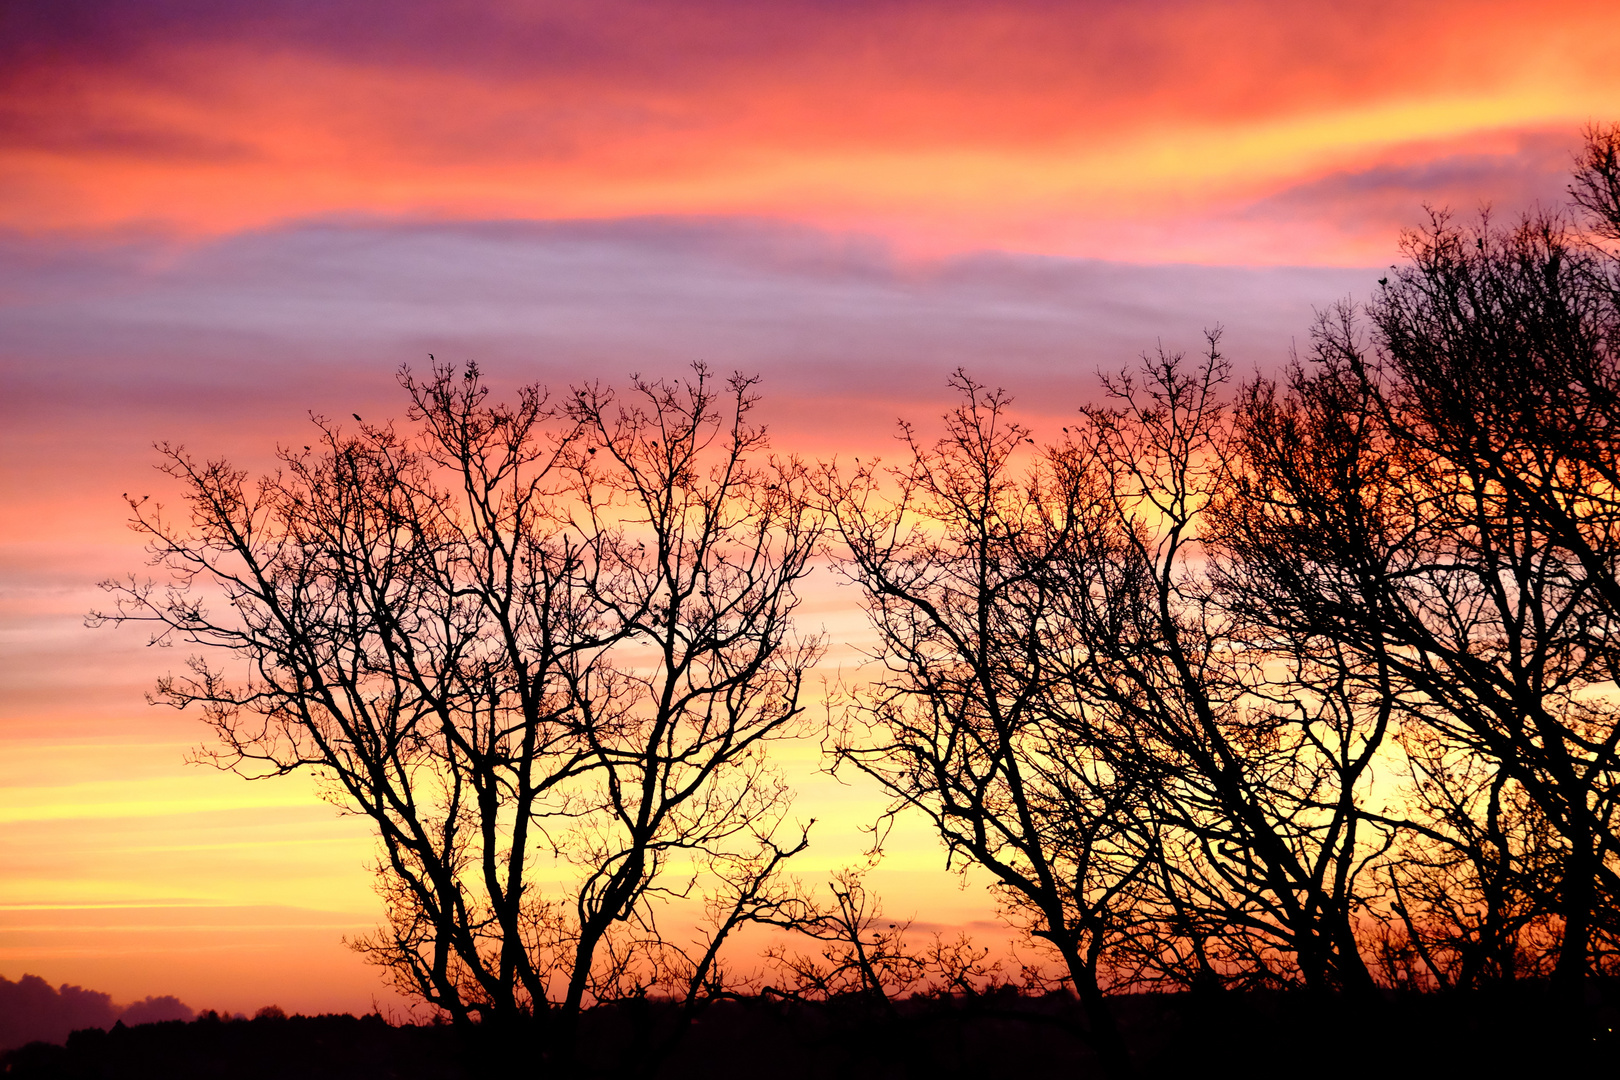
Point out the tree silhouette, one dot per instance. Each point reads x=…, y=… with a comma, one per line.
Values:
x=1256, y=757
x=861, y=954
x=1435, y=489
x=531, y=642
x=954, y=551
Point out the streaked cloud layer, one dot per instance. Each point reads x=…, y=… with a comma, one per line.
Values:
x=1141, y=131
x=215, y=218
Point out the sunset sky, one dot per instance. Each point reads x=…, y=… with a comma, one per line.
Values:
x=215, y=218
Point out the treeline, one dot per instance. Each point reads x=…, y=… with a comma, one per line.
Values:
x=271, y=1045
x=1264, y=1034
x=32, y=1009
x=1305, y=682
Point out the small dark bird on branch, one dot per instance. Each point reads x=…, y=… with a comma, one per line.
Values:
x=355, y=415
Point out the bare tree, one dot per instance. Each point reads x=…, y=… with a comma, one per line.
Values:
x=534, y=644
x=1255, y=750
x=953, y=551
x=1490, y=605
x=1595, y=186
x=1330, y=507
x=860, y=953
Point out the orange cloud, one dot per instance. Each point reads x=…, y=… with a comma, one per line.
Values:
x=1065, y=128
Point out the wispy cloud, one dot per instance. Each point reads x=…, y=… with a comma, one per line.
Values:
x=1072, y=128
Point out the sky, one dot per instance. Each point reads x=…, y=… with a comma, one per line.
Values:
x=217, y=218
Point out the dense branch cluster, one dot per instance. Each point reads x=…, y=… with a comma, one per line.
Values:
x=1307, y=681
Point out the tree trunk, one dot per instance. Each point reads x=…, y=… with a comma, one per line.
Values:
x=1354, y=978
x=1577, y=894
x=1104, y=1034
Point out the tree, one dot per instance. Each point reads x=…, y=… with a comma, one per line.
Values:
x=861, y=954
x=1253, y=750
x=864, y=957
x=1474, y=552
x=528, y=642
x=953, y=552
